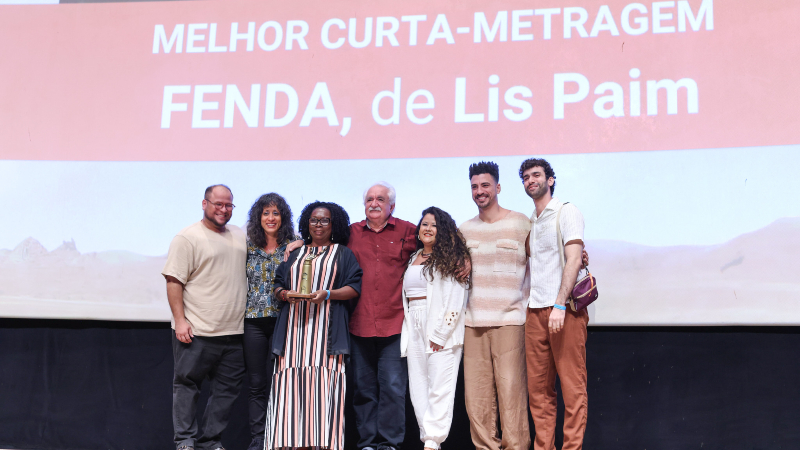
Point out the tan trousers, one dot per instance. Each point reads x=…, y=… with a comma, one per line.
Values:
x=563, y=353
x=494, y=368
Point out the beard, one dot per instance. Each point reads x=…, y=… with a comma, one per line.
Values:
x=483, y=202
x=213, y=219
x=539, y=192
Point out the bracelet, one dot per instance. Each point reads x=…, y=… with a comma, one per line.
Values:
x=562, y=308
x=329, y=294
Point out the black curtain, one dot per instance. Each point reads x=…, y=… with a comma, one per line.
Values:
x=93, y=384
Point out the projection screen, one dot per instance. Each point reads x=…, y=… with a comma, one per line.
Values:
x=672, y=125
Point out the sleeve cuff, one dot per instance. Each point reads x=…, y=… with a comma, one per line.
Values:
x=439, y=337
x=356, y=287
x=176, y=276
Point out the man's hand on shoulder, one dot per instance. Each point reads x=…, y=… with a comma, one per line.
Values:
x=292, y=247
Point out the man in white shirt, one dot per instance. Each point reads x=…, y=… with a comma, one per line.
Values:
x=555, y=336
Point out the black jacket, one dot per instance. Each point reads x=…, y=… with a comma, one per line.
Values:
x=348, y=273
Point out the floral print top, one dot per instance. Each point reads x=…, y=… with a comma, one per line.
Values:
x=261, y=269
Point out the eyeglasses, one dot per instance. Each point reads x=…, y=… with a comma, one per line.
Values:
x=220, y=205
x=316, y=222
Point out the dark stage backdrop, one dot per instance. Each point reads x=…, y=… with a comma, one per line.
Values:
x=107, y=385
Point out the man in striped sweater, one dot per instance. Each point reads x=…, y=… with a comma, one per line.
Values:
x=494, y=339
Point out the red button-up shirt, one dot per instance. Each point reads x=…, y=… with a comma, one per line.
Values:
x=383, y=257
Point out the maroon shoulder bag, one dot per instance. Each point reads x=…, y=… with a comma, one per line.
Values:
x=585, y=290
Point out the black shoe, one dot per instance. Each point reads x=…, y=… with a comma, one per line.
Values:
x=256, y=444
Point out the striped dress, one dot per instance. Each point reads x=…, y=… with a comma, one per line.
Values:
x=306, y=402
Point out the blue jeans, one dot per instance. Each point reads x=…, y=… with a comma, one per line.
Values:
x=380, y=382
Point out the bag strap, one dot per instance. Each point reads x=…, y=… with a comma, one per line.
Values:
x=561, y=241
x=561, y=256
x=558, y=236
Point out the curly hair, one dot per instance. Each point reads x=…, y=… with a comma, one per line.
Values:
x=539, y=162
x=340, y=222
x=256, y=234
x=485, y=167
x=450, y=252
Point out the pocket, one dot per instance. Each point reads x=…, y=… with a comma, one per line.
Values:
x=392, y=250
x=505, y=257
x=546, y=239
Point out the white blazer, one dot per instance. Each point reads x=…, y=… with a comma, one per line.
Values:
x=447, y=304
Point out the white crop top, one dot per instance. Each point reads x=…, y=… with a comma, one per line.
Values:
x=414, y=283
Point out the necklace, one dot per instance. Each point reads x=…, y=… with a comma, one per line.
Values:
x=425, y=255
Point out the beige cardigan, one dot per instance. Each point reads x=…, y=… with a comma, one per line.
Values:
x=447, y=303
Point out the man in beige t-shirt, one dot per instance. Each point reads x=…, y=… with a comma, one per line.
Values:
x=207, y=293
x=494, y=338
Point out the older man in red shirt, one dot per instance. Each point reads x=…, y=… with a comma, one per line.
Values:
x=383, y=245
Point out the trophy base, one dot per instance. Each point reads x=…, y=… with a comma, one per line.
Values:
x=299, y=295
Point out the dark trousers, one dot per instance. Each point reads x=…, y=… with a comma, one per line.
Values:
x=379, y=400
x=258, y=359
x=220, y=360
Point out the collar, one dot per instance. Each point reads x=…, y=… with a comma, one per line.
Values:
x=391, y=222
x=553, y=205
x=251, y=248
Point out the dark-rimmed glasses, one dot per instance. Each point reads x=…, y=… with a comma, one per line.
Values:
x=220, y=205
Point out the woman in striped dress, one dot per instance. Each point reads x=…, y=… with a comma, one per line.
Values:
x=306, y=402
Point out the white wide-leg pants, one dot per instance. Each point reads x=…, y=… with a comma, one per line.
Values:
x=431, y=379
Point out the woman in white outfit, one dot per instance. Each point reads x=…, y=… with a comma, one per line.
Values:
x=432, y=339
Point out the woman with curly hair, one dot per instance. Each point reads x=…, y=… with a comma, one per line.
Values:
x=433, y=329
x=269, y=230
x=306, y=403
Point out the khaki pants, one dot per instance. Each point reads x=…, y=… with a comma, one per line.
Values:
x=563, y=353
x=494, y=368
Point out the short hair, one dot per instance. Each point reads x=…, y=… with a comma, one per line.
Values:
x=539, y=162
x=389, y=187
x=211, y=188
x=340, y=222
x=254, y=231
x=485, y=167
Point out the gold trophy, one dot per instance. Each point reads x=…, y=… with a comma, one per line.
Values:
x=305, y=279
